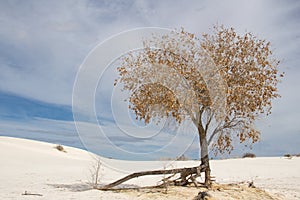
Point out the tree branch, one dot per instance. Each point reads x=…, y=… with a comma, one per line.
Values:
x=225, y=126
x=187, y=171
x=208, y=121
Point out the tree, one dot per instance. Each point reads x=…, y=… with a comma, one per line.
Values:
x=221, y=82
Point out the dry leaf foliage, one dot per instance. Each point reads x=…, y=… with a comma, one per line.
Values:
x=223, y=77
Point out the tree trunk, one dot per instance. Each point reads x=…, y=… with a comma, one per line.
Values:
x=204, y=154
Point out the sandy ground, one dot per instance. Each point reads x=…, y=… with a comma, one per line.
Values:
x=39, y=169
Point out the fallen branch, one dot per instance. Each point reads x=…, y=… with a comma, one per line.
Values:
x=34, y=194
x=185, y=175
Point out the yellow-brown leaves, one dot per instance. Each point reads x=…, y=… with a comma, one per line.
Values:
x=244, y=62
x=150, y=97
x=247, y=66
x=251, y=75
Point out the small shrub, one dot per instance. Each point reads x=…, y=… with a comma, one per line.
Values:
x=287, y=155
x=182, y=158
x=251, y=184
x=178, y=158
x=95, y=173
x=297, y=155
x=249, y=155
x=60, y=148
x=202, y=196
x=165, y=159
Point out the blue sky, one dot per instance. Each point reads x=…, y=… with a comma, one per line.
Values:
x=43, y=43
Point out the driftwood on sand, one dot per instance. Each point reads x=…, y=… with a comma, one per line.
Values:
x=186, y=176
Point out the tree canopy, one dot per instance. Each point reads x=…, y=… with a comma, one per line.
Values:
x=223, y=78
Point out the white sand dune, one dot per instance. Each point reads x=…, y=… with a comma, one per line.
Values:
x=38, y=168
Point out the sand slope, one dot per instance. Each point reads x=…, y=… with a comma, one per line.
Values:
x=38, y=168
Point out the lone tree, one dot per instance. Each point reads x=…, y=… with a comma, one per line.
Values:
x=221, y=82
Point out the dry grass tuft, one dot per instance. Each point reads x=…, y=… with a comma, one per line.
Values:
x=249, y=155
x=60, y=148
x=287, y=155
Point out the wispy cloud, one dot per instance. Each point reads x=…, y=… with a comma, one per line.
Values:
x=43, y=43
x=106, y=140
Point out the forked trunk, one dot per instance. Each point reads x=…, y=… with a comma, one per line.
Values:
x=204, y=155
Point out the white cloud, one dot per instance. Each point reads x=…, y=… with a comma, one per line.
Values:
x=42, y=43
x=48, y=40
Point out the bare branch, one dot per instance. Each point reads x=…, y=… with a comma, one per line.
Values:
x=187, y=171
x=226, y=125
